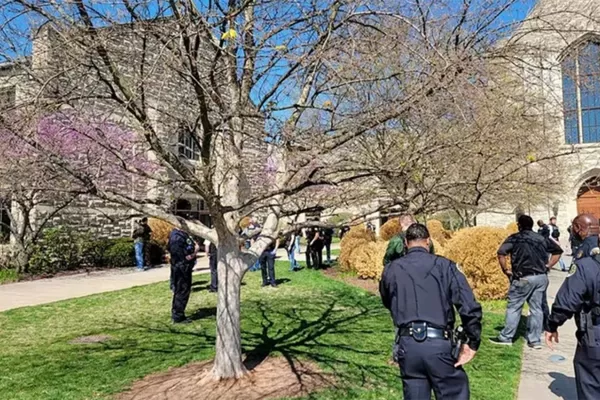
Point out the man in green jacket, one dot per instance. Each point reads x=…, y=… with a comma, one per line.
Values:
x=396, y=247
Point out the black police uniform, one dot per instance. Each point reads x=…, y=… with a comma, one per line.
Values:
x=585, y=249
x=327, y=235
x=213, y=263
x=420, y=289
x=579, y=296
x=314, y=252
x=180, y=246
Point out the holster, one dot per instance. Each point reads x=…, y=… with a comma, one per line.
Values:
x=396, y=347
x=459, y=337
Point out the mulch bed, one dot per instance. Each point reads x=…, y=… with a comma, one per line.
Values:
x=271, y=379
x=369, y=285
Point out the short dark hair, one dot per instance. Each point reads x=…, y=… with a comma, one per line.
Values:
x=144, y=220
x=417, y=232
x=525, y=222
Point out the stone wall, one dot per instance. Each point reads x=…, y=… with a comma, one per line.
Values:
x=553, y=27
x=140, y=59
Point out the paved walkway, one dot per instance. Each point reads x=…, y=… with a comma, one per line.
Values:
x=44, y=291
x=546, y=374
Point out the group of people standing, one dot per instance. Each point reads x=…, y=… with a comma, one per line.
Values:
x=532, y=257
x=423, y=291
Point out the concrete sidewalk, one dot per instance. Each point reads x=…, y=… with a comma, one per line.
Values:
x=546, y=374
x=44, y=291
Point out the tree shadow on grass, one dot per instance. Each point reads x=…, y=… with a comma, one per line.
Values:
x=203, y=313
x=333, y=332
x=330, y=340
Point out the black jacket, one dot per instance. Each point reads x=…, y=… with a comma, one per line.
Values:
x=423, y=287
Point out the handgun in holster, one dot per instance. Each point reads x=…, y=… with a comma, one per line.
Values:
x=396, y=347
x=588, y=320
x=459, y=337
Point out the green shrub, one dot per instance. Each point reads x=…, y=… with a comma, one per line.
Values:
x=120, y=253
x=8, y=275
x=62, y=249
x=58, y=250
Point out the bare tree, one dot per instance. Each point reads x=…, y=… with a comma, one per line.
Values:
x=270, y=108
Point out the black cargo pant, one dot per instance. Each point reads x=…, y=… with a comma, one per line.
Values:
x=587, y=372
x=213, y=263
x=314, y=255
x=182, y=287
x=427, y=366
x=267, y=268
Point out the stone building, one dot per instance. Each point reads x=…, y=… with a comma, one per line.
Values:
x=563, y=38
x=137, y=54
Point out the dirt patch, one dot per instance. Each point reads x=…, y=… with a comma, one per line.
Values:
x=369, y=285
x=91, y=339
x=271, y=379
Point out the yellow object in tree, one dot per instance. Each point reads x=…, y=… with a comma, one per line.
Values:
x=531, y=157
x=231, y=34
x=281, y=48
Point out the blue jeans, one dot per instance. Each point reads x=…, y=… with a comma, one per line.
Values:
x=292, y=258
x=297, y=245
x=139, y=254
x=530, y=289
x=563, y=266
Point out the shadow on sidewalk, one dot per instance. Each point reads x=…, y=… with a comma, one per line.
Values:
x=563, y=386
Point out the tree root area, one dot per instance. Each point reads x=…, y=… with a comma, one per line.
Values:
x=273, y=378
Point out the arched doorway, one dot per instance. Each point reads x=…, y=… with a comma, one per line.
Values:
x=588, y=198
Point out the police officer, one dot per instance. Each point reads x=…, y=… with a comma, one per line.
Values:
x=327, y=239
x=183, y=252
x=579, y=296
x=585, y=230
x=314, y=248
x=213, y=263
x=421, y=291
x=396, y=247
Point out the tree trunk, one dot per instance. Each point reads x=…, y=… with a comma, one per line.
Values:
x=22, y=255
x=231, y=269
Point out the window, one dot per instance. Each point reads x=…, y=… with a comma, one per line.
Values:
x=188, y=147
x=4, y=221
x=194, y=209
x=581, y=94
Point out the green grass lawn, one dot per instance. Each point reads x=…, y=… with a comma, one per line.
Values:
x=311, y=317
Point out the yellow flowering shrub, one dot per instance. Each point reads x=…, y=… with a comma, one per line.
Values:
x=437, y=231
x=367, y=260
x=474, y=250
x=512, y=227
x=390, y=229
x=160, y=231
x=356, y=237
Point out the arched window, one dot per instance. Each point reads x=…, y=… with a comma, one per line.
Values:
x=581, y=93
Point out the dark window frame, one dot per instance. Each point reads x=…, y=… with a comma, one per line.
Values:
x=581, y=93
x=187, y=146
